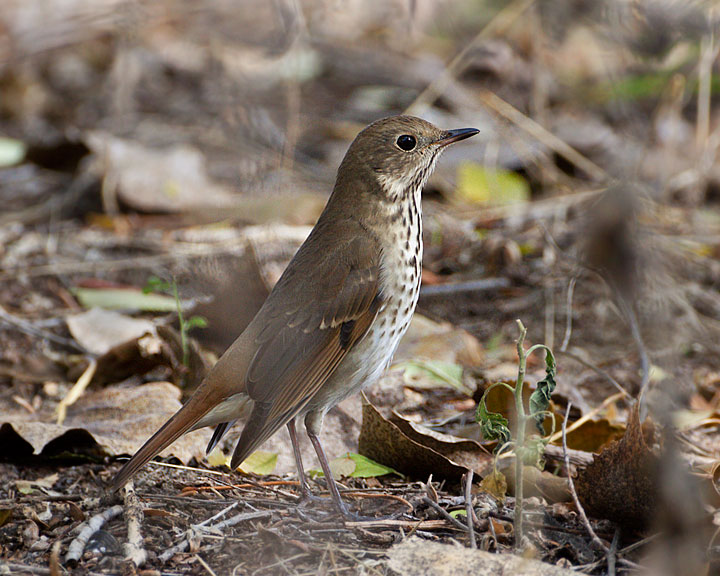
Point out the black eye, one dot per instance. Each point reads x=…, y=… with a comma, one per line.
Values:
x=406, y=142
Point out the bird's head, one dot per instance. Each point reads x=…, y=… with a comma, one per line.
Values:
x=400, y=152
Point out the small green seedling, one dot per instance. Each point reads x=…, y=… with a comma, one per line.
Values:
x=155, y=284
x=528, y=451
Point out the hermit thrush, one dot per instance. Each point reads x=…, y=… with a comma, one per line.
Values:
x=334, y=319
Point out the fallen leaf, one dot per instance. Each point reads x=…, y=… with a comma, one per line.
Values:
x=439, y=342
x=5, y=515
x=156, y=180
x=108, y=422
x=27, y=486
x=11, y=152
x=351, y=465
x=260, y=463
x=99, y=330
x=622, y=482
x=427, y=374
x=384, y=442
x=495, y=484
x=490, y=186
x=124, y=299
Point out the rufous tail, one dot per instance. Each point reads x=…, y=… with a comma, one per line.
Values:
x=204, y=399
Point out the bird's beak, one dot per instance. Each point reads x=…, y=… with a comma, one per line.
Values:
x=450, y=136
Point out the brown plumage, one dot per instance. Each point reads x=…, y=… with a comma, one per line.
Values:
x=332, y=323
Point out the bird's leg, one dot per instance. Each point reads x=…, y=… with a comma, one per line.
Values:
x=304, y=487
x=313, y=423
x=332, y=485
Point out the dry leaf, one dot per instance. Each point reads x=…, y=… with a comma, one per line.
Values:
x=495, y=484
x=622, y=483
x=384, y=442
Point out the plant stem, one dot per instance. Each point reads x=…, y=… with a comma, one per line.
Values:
x=520, y=437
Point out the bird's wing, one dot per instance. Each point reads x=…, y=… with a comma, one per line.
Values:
x=308, y=325
x=323, y=303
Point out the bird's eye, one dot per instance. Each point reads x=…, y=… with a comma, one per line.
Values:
x=406, y=142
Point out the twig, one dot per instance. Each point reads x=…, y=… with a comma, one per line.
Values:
x=76, y=391
x=497, y=25
x=569, y=313
x=632, y=320
x=444, y=513
x=196, y=529
x=134, y=517
x=597, y=370
x=482, y=285
x=77, y=546
x=613, y=553
x=219, y=514
x=469, y=507
x=205, y=565
x=581, y=511
x=589, y=416
x=560, y=147
x=30, y=328
x=583, y=517
x=17, y=568
x=242, y=518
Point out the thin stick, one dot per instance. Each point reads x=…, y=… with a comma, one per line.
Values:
x=569, y=313
x=549, y=294
x=444, y=513
x=469, y=507
x=205, y=565
x=30, y=328
x=509, y=112
x=497, y=25
x=77, y=546
x=613, y=553
x=589, y=416
x=134, y=516
x=597, y=370
x=581, y=511
x=452, y=288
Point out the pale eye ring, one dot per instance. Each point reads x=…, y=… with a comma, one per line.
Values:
x=406, y=142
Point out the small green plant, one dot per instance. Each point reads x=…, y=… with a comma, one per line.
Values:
x=528, y=451
x=155, y=284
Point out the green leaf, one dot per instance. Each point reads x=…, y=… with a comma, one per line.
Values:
x=540, y=399
x=493, y=426
x=437, y=373
x=366, y=468
x=155, y=284
x=124, y=299
x=479, y=184
x=259, y=462
x=456, y=513
x=355, y=466
x=11, y=152
x=195, y=322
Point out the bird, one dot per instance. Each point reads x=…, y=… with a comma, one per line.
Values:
x=332, y=322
